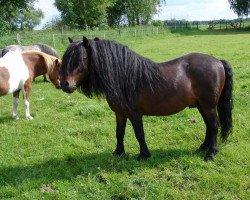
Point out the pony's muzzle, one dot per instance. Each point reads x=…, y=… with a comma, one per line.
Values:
x=66, y=87
x=58, y=87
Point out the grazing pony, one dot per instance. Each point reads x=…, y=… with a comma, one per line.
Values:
x=18, y=70
x=135, y=86
x=37, y=47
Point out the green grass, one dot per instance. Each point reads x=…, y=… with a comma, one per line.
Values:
x=66, y=151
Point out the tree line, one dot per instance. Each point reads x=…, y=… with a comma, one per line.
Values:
x=101, y=13
x=84, y=14
x=19, y=15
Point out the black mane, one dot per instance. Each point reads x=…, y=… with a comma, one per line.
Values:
x=115, y=71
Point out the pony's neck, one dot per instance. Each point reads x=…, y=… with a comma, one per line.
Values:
x=36, y=64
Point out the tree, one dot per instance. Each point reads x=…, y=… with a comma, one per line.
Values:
x=116, y=13
x=27, y=18
x=136, y=12
x=96, y=13
x=241, y=7
x=83, y=13
x=55, y=24
x=20, y=14
x=157, y=23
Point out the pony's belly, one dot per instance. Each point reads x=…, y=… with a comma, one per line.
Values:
x=161, y=110
x=16, y=83
x=163, y=105
x=4, y=81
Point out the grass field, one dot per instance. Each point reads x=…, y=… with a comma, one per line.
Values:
x=66, y=151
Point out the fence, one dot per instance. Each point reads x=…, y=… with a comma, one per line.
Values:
x=59, y=39
x=208, y=25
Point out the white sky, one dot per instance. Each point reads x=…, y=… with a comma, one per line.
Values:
x=178, y=9
x=196, y=10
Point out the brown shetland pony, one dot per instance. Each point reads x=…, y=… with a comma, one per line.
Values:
x=135, y=86
x=18, y=70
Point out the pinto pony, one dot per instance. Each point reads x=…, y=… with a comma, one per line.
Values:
x=135, y=86
x=18, y=70
x=37, y=47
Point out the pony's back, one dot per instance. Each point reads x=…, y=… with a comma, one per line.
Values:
x=47, y=49
x=37, y=47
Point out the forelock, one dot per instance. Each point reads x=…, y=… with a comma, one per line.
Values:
x=73, y=57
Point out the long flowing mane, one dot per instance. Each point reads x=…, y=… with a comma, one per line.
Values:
x=115, y=71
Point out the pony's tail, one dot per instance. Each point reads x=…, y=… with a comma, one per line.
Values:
x=225, y=104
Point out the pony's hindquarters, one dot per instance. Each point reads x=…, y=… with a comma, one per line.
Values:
x=225, y=104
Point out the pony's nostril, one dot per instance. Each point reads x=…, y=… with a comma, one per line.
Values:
x=64, y=83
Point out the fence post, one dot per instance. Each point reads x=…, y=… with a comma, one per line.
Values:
x=18, y=38
x=61, y=35
x=54, y=43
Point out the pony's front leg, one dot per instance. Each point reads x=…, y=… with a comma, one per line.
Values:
x=26, y=95
x=121, y=121
x=15, y=104
x=137, y=124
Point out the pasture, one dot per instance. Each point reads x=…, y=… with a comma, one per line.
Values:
x=65, y=152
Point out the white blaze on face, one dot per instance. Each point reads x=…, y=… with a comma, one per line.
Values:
x=18, y=71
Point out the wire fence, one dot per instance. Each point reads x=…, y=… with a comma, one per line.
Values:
x=59, y=38
x=208, y=25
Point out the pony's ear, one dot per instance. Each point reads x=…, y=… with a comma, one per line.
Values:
x=57, y=62
x=70, y=40
x=96, y=39
x=85, y=41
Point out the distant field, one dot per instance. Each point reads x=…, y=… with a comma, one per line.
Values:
x=66, y=151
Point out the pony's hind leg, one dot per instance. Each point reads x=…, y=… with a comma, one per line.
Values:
x=121, y=121
x=137, y=124
x=15, y=104
x=26, y=94
x=210, y=143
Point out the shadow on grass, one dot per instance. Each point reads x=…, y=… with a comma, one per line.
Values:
x=6, y=119
x=71, y=167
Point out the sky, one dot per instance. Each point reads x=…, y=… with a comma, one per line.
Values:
x=174, y=9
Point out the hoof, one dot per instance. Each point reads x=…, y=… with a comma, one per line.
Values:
x=209, y=157
x=29, y=117
x=143, y=156
x=15, y=117
x=119, y=153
